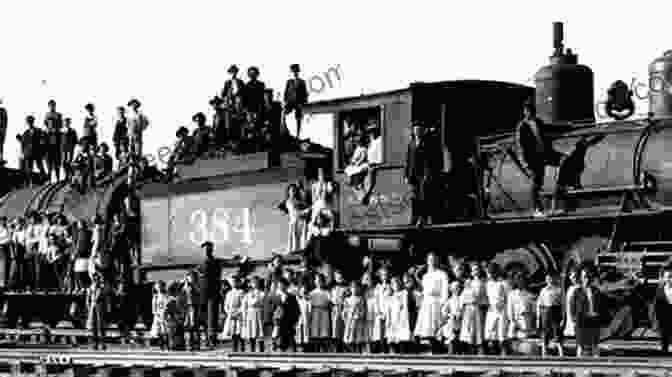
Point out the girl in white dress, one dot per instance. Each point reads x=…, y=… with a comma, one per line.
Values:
x=520, y=310
x=573, y=285
x=474, y=299
x=253, y=315
x=382, y=292
x=398, y=313
x=159, y=328
x=303, y=326
x=295, y=209
x=233, y=307
x=339, y=291
x=435, y=293
x=354, y=313
x=495, y=320
x=320, y=315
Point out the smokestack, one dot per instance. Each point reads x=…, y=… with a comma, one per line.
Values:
x=558, y=38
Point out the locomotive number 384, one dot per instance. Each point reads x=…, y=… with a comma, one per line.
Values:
x=221, y=225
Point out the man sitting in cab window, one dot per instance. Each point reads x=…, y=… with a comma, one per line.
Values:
x=537, y=152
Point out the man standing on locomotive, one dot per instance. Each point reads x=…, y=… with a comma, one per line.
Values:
x=537, y=152
x=424, y=164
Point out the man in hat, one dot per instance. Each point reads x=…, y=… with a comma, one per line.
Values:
x=184, y=147
x=219, y=121
x=253, y=93
x=537, y=152
x=296, y=95
x=211, y=286
x=3, y=131
x=120, y=136
x=233, y=87
x=137, y=124
x=202, y=135
x=424, y=164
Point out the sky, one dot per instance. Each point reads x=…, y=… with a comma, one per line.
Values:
x=173, y=55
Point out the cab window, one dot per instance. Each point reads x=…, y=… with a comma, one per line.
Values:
x=357, y=129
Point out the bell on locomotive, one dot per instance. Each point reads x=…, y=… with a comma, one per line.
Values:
x=564, y=88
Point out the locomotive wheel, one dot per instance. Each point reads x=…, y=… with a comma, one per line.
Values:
x=532, y=260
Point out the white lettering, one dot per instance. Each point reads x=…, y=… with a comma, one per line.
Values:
x=221, y=224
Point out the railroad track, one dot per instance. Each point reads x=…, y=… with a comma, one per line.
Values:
x=80, y=363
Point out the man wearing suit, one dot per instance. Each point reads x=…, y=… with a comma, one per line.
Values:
x=3, y=132
x=584, y=308
x=30, y=141
x=286, y=315
x=211, y=286
x=232, y=87
x=663, y=306
x=253, y=94
x=537, y=152
x=296, y=95
x=424, y=164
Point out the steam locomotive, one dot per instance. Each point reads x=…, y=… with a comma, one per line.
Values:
x=615, y=216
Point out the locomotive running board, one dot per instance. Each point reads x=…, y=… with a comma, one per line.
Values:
x=565, y=218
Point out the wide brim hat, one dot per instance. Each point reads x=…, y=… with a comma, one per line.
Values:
x=206, y=243
x=134, y=102
x=182, y=130
x=295, y=68
x=233, y=68
x=253, y=69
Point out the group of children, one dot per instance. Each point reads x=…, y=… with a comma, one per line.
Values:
x=479, y=313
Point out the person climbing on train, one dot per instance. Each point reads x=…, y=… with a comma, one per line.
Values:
x=537, y=152
x=296, y=96
x=424, y=165
x=53, y=122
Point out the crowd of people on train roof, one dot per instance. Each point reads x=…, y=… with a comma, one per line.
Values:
x=463, y=308
x=246, y=119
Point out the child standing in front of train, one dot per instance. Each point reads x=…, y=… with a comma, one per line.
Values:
x=549, y=314
x=354, y=316
x=233, y=307
x=338, y=294
x=159, y=304
x=495, y=319
x=320, y=315
x=303, y=326
x=449, y=333
x=400, y=332
x=253, y=315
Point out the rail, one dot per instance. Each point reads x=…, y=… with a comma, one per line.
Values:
x=317, y=363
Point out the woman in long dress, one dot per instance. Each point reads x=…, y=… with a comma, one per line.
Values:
x=474, y=298
x=435, y=293
x=573, y=285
